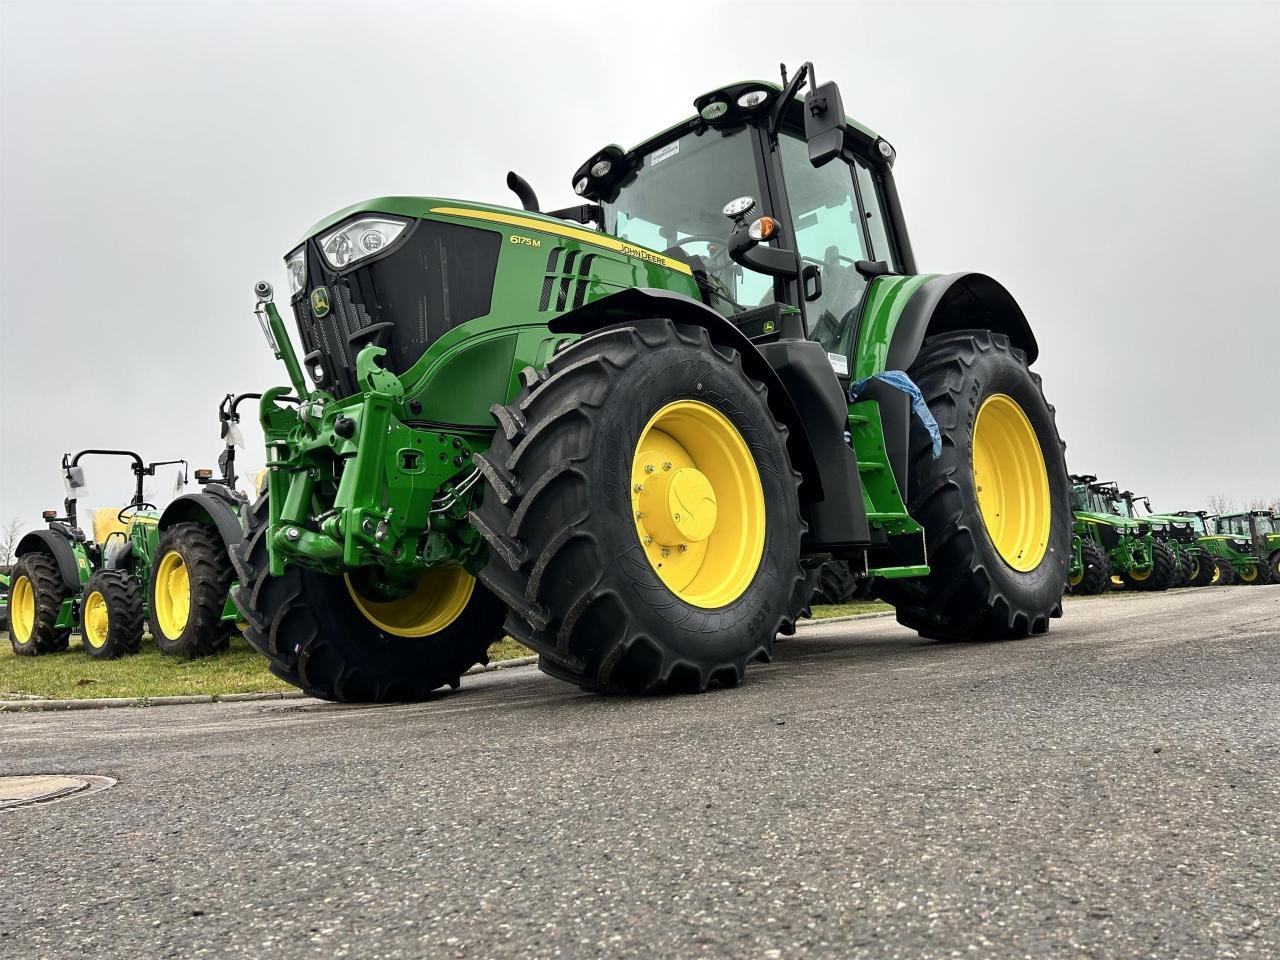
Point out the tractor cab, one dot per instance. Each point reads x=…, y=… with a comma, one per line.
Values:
x=780, y=206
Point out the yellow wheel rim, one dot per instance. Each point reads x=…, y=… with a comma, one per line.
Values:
x=439, y=599
x=1140, y=574
x=96, y=621
x=1075, y=578
x=1193, y=571
x=1012, y=482
x=698, y=504
x=173, y=595
x=22, y=609
x=1217, y=574
x=1248, y=574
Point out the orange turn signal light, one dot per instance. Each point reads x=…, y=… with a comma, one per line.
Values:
x=763, y=229
x=204, y=474
x=50, y=515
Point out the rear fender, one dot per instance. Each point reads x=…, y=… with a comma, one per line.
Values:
x=69, y=563
x=901, y=312
x=204, y=508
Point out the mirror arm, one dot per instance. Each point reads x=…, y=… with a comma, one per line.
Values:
x=788, y=94
x=772, y=261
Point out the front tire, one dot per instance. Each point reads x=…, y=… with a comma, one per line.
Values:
x=318, y=631
x=1224, y=573
x=36, y=595
x=607, y=579
x=1096, y=576
x=1159, y=576
x=995, y=506
x=1202, y=569
x=190, y=579
x=111, y=615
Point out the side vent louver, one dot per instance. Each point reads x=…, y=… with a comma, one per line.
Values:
x=566, y=280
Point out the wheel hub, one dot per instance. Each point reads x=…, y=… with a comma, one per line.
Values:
x=678, y=506
x=96, y=620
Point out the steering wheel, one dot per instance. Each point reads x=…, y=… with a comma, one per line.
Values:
x=706, y=238
x=135, y=507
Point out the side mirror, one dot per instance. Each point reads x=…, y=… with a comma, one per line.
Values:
x=824, y=123
x=73, y=480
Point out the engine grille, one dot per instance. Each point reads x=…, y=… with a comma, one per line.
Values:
x=433, y=278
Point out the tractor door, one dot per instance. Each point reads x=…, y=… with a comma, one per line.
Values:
x=837, y=219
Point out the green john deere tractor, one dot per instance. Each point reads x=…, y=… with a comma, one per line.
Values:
x=625, y=444
x=1250, y=542
x=1215, y=558
x=1112, y=547
x=1195, y=567
x=63, y=579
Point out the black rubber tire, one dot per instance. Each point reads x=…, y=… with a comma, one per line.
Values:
x=1275, y=567
x=1161, y=576
x=566, y=558
x=314, y=637
x=836, y=583
x=1201, y=574
x=1179, y=578
x=1263, y=577
x=1096, y=577
x=1226, y=572
x=211, y=575
x=50, y=592
x=971, y=593
x=123, y=596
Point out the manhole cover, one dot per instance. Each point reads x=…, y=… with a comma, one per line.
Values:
x=21, y=791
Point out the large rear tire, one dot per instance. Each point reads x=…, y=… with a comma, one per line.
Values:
x=190, y=579
x=1202, y=569
x=836, y=583
x=1095, y=578
x=36, y=595
x=996, y=505
x=1157, y=577
x=1256, y=575
x=111, y=615
x=642, y=514
x=321, y=633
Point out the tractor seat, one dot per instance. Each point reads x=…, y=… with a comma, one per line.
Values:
x=106, y=521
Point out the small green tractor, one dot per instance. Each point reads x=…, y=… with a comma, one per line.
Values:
x=1250, y=542
x=63, y=579
x=168, y=568
x=625, y=431
x=1216, y=558
x=1110, y=546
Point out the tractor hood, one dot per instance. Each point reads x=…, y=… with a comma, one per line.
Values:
x=1108, y=519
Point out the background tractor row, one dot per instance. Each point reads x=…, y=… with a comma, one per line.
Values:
x=1110, y=544
x=1246, y=545
x=168, y=568
x=627, y=432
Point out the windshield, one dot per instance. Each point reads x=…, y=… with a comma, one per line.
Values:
x=1266, y=524
x=673, y=205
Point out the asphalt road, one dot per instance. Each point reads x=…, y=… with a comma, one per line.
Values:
x=1110, y=790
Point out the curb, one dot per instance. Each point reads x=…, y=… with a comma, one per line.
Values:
x=106, y=703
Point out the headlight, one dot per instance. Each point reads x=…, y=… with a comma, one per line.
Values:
x=1159, y=526
x=296, y=263
x=1240, y=542
x=359, y=239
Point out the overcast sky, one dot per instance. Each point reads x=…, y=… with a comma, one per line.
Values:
x=1114, y=165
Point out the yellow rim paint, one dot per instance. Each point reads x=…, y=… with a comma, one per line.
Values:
x=96, y=621
x=173, y=595
x=1217, y=574
x=1075, y=578
x=1194, y=572
x=698, y=503
x=438, y=600
x=1140, y=574
x=1012, y=483
x=570, y=233
x=22, y=609
x=1248, y=574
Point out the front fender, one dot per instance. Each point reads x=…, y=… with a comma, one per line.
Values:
x=647, y=303
x=70, y=565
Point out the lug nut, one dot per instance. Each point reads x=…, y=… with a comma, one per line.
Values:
x=684, y=547
x=649, y=469
x=666, y=464
x=666, y=552
x=639, y=515
x=638, y=488
x=648, y=541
